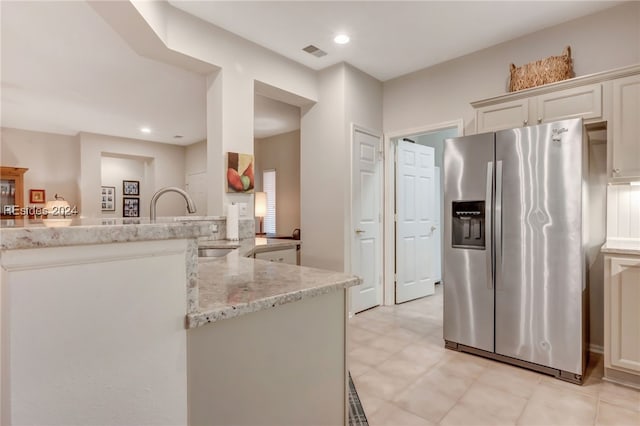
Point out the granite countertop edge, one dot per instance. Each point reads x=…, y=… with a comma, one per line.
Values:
x=208, y=316
x=42, y=237
x=219, y=277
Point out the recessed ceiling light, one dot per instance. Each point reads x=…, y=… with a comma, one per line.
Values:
x=145, y=130
x=342, y=39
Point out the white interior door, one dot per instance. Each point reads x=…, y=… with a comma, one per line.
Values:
x=366, y=207
x=437, y=233
x=415, y=227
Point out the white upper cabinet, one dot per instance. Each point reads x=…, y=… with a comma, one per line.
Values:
x=625, y=131
x=584, y=101
x=505, y=115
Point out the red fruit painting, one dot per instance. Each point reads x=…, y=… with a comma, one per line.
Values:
x=240, y=176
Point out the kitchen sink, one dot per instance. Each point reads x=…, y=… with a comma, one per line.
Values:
x=213, y=252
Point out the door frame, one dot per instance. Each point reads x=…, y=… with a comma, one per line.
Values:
x=389, y=246
x=348, y=219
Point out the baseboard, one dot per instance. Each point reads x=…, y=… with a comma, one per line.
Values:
x=598, y=349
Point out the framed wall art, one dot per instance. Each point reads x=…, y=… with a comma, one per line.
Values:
x=130, y=207
x=240, y=173
x=130, y=187
x=37, y=196
x=108, y=197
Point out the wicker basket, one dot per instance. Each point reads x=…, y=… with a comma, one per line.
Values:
x=543, y=71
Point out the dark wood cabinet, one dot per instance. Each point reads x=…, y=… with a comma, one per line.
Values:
x=11, y=191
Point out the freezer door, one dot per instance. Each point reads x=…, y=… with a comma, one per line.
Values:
x=467, y=275
x=538, y=244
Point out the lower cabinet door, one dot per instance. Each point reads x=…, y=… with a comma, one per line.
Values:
x=622, y=300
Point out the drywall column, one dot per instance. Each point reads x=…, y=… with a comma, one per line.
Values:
x=323, y=168
x=229, y=128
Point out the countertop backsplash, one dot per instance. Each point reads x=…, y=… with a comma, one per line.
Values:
x=623, y=211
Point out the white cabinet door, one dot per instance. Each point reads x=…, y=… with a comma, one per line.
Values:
x=280, y=256
x=622, y=315
x=506, y=115
x=585, y=102
x=626, y=128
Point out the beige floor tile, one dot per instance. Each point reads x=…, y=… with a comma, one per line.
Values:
x=391, y=415
x=403, y=367
x=433, y=394
x=426, y=403
x=494, y=402
x=400, y=332
x=550, y=405
x=515, y=380
x=424, y=354
x=371, y=403
x=381, y=385
x=612, y=415
x=621, y=396
x=465, y=365
x=388, y=343
x=361, y=335
x=369, y=356
x=405, y=376
x=591, y=386
x=464, y=415
x=357, y=368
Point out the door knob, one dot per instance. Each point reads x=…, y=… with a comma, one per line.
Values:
x=359, y=231
x=433, y=228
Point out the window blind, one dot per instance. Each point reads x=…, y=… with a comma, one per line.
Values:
x=269, y=186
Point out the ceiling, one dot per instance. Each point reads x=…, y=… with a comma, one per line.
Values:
x=388, y=38
x=71, y=72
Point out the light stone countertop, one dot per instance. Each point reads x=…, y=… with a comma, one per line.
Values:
x=28, y=234
x=234, y=285
x=622, y=246
x=218, y=287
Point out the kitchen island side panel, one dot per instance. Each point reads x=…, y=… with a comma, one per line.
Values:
x=280, y=366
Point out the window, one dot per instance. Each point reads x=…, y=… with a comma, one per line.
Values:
x=269, y=186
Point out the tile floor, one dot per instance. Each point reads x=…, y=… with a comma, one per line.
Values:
x=404, y=376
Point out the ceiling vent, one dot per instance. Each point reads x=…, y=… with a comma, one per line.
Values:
x=318, y=53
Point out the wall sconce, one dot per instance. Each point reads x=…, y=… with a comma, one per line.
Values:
x=261, y=207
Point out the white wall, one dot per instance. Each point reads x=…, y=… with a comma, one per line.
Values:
x=195, y=169
x=322, y=163
x=164, y=163
x=53, y=162
x=282, y=153
x=345, y=95
x=599, y=42
x=230, y=91
x=114, y=170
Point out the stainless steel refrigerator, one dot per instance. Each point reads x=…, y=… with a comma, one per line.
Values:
x=514, y=264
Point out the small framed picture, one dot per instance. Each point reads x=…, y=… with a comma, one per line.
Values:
x=130, y=207
x=130, y=187
x=108, y=197
x=36, y=196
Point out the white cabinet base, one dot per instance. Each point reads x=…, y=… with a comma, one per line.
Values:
x=94, y=335
x=280, y=366
x=621, y=319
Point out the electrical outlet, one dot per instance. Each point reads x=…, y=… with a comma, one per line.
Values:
x=242, y=209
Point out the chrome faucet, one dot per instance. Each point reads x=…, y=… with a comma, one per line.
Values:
x=191, y=206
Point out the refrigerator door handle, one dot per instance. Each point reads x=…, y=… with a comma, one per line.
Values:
x=488, y=218
x=497, y=227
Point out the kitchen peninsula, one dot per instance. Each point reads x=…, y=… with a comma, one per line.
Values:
x=124, y=324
